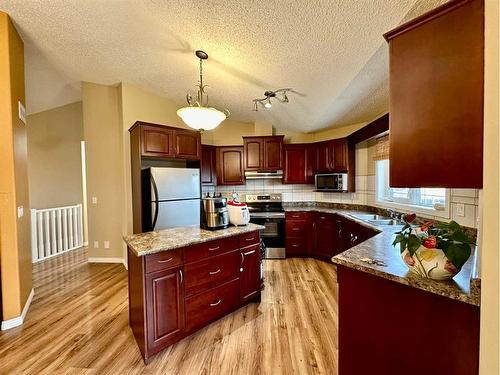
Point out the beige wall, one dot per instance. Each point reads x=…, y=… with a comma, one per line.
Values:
x=15, y=251
x=102, y=135
x=54, y=156
x=490, y=268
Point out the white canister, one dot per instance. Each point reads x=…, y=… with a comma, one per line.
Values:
x=238, y=213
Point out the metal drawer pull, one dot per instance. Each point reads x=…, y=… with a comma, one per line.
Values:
x=242, y=258
x=213, y=248
x=214, y=272
x=182, y=277
x=250, y=239
x=216, y=303
x=295, y=245
x=295, y=229
x=166, y=260
x=322, y=217
x=249, y=252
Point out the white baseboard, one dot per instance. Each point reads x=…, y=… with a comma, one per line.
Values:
x=105, y=260
x=125, y=264
x=14, y=322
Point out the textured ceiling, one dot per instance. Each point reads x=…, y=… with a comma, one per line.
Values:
x=330, y=51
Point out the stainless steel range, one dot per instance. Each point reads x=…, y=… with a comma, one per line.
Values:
x=267, y=210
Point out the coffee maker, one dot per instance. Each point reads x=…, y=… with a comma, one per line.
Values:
x=214, y=212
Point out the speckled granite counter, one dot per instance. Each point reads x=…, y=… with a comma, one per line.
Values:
x=465, y=286
x=174, y=238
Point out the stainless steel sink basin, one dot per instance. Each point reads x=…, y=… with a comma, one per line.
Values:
x=376, y=219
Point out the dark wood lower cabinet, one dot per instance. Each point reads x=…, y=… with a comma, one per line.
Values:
x=322, y=235
x=392, y=329
x=174, y=293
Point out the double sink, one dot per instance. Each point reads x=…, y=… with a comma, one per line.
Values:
x=377, y=219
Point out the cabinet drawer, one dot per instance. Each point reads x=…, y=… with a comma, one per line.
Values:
x=323, y=217
x=296, y=246
x=214, y=303
x=247, y=239
x=211, y=272
x=292, y=215
x=296, y=228
x=207, y=249
x=163, y=261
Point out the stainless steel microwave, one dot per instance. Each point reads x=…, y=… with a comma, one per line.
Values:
x=331, y=182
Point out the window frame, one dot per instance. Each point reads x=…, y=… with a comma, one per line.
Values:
x=410, y=207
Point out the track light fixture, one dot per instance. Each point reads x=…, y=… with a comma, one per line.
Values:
x=279, y=95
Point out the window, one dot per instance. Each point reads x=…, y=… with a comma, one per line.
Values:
x=422, y=200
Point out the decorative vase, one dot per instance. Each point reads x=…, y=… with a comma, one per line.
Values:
x=429, y=263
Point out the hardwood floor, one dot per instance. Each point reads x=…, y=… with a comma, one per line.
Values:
x=78, y=324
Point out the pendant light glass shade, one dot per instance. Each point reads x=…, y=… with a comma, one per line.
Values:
x=199, y=115
x=201, y=118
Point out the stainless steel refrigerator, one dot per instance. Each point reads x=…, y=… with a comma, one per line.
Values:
x=171, y=197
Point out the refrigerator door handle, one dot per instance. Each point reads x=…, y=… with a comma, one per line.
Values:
x=155, y=201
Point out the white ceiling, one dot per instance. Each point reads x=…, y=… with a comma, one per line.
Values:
x=330, y=51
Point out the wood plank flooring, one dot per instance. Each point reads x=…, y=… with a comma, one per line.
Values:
x=78, y=324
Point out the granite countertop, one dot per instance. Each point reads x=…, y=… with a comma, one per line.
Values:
x=174, y=238
x=465, y=286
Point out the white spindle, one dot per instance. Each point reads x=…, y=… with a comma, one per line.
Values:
x=41, y=246
x=59, y=231
x=55, y=230
x=65, y=228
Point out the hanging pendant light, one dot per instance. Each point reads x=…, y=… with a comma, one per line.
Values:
x=199, y=115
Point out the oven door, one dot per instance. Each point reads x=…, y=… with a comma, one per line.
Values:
x=273, y=235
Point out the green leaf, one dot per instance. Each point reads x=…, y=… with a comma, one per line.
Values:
x=457, y=254
x=398, y=239
x=402, y=245
x=413, y=244
x=460, y=236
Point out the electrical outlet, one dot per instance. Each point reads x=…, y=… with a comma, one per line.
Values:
x=94, y=200
x=460, y=209
x=96, y=244
x=106, y=244
x=20, y=212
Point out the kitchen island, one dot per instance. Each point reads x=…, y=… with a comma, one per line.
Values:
x=182, y=279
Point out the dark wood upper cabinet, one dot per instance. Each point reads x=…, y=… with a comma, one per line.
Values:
x=187, y=144
x=162, y=141
x=263, y=153
x=254, y=153
x=165, y=308
x=157, y=141
x=208, y=165
x=436, y=98
x=323, y=156
x=334, y=156
x=230, y=165
x=340, y=155
x=295, y=164
x=273, y=152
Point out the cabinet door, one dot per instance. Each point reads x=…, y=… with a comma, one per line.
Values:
x=254, y=153
x=187, y=144
x=230, y=166
x=436, y=111
x=324, y=156
x=157, y=142
x=324, y=229
x=295, y=164
x=273, y=153
x=250, y=272
x=208, y=174
x=165, y=308
x=310, y=163
x=340, y=155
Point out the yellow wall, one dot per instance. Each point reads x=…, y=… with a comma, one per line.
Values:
x=490, y=268
x=15, y=251
x=102, y=135
x=54, y=158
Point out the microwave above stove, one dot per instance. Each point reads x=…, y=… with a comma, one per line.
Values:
x=335, y=182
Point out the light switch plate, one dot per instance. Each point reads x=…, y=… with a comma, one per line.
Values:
x=460, y=209
x=106, y=244
x=96, y=244
x=94, y=200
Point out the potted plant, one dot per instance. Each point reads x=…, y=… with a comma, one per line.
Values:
x=433, y=250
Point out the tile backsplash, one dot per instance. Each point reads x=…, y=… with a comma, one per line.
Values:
x=364, y=195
